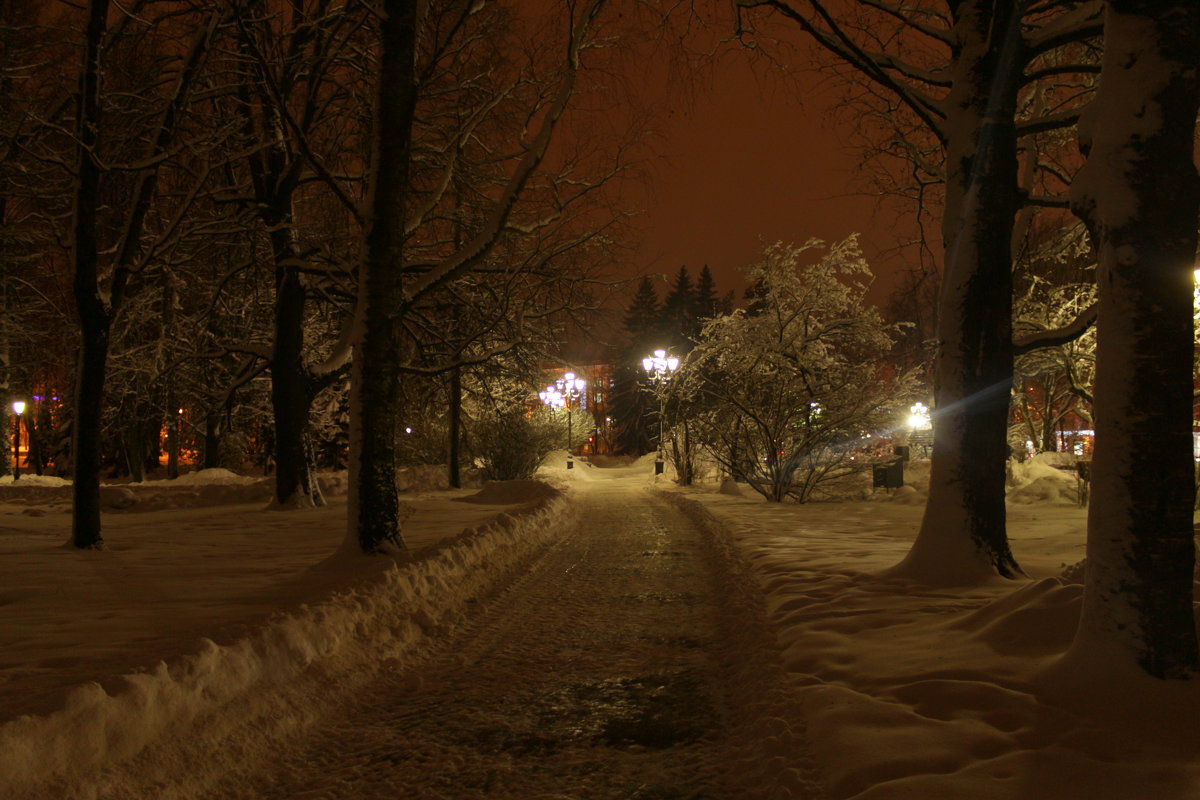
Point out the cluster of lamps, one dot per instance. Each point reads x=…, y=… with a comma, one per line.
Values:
x=659, y=367
x=918, y=417
x=563, y=393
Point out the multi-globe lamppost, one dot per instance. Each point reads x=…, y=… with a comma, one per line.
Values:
x=660, y=367
x=565, y=391
x=920, y=425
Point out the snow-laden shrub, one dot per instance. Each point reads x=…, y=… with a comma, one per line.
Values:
x=510, y=445
x=782, y=392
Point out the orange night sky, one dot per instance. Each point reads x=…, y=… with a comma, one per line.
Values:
x=744, y=160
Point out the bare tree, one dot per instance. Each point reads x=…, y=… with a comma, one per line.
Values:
x=388, y=287
x=959, y=71
x=1055, y=288
x=297, y=66
x=99, y=300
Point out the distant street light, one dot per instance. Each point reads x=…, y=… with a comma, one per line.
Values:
x=920, y=427
x=572, y=389
x=918, y=417
x=552, y=397
x=18, y=408
x=660, y=367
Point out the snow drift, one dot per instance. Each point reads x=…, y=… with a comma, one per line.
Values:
x=124, y=741
x=909, y=691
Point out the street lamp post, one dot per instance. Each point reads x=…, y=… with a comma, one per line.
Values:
x=552, y=397
x=659, y=367
x=572, y=389
x=18, y=408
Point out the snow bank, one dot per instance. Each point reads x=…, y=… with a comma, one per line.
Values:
x=235, y=699
x=1045, y=478
x=204, y=476
x=510, y=492
x=29, y=479
x=912, y=692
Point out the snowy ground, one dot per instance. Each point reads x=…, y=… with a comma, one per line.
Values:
x=911, y=693
x=202, y=600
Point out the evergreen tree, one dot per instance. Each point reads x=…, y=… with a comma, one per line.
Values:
x=704, y=302
x=642, y=321
x=679, y=321
x=632, y=405
x=753, y=295
x=725, y=306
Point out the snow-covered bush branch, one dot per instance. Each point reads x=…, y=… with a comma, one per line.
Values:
x=782, y=393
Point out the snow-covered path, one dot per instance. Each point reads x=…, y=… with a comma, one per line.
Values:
x=618, y=665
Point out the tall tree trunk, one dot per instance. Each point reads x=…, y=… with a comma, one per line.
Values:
x=174, y=420
x=455, y=427
x=6, y=303
x=373, y=521
x=1049, y=431
x=212, y=439
x=1139, y=195
x=963, y=537
x=172, y=399
x=291, y=384
x=135, y=450
x=94, y=320
x=37, y=425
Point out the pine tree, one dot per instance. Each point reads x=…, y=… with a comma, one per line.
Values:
x=678, y=320
x=725, y=306
x=642, y=320
x=753, y=295
x=704, y=302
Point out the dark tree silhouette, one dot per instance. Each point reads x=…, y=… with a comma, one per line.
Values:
x=678, y=312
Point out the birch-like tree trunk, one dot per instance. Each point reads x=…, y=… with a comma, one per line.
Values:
x=1139, y=195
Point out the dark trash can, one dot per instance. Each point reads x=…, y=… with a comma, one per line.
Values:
x=888, y=476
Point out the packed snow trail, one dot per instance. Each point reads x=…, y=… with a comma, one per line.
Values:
x=606, y=670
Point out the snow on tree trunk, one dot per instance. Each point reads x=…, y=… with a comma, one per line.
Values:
x=1139, y=195
x=962, y=537
x=373, y=521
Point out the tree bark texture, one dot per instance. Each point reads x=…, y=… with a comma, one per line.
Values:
x=292, y=387
x=6, y=378
x=1139, y=195
x=373, y=505
x=455, y=427
x=963, y=537
x=212, y=442
x=94, y=319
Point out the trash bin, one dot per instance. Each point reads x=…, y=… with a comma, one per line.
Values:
x=901, y=450
x=888, y=476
